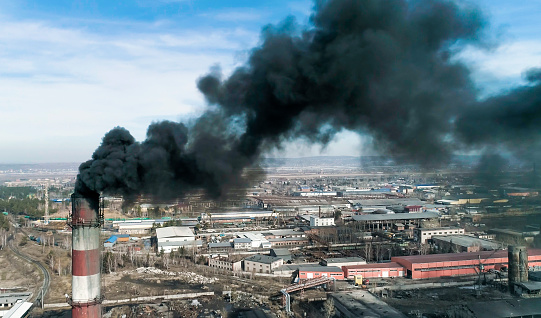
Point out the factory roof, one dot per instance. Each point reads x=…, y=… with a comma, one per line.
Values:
x=387, y=202
x=319, y=268
x=283, y=232
x=505, y=231
x=464, y=240
x=447, y=228
x=112, y=239
x=219, y=244
x=242, y=240
x=531, y=286
x=181, y=243
x=376, y=265
x=336, y=260
x=174, y=231
x=20, y=309
x=506, y=308
x=396, y=216
x=281, y=251
x=451, y=257
x=282, y=239
x=9, y=298
x=265, y=259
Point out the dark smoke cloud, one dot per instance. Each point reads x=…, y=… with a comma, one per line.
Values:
x=511, y=120
x=376, y=67
x=164, y=166
x=381, y=68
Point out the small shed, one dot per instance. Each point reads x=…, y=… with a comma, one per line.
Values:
x=110, y=241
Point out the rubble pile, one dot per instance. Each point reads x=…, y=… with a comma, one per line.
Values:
x=189, y=277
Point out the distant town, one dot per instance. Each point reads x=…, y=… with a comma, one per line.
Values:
x=310, y=237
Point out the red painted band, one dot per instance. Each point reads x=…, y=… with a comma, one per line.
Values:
x=85, y=214
x=92, y=311
x=85, y=263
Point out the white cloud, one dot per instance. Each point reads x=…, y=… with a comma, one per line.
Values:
x=73, y=84
x=507, y=61
x=236, y=15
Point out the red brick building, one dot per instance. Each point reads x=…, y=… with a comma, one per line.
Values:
x=391, y=269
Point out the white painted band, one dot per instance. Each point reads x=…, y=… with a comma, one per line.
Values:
x=86, y=288
x=85, y=238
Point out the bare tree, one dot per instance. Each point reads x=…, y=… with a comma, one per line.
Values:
x=328, y=308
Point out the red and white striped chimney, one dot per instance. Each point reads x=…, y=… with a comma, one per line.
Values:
x=86, y=221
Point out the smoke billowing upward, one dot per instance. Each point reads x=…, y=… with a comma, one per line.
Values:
x=380, y=68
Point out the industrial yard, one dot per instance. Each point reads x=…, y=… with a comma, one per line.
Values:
x=289, y=254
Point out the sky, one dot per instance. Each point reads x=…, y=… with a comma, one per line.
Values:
x=72, y=70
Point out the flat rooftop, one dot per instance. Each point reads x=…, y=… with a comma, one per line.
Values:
x=465, y=240
x=506, y=308
x=451, y=257
x=343, y=260
x=361, y=303
x=387, y=202
x=376, y=265
x=319, y=268
x=395, y=216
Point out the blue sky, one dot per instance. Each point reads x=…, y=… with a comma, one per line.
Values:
x=72, y=70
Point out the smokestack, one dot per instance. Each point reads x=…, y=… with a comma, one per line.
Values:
x=86, y=220
x=518, y=265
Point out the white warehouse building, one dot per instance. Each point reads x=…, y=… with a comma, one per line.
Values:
x=174, y=237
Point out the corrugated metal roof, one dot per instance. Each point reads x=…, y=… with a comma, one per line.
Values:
x=112, y=239
x=396, y=216
x=265, y=259
x=450, y=257
x=174, y=231
x=376, y=265
x=506, y=308
x=321, y=269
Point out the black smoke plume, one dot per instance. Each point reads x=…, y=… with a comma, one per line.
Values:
x=381, y=68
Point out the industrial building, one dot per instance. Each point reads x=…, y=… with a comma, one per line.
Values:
x=242, y=243
x=453, y=264
x=282, y=253
x=230, y=263
x=175, y=237
x=318, y=271
x=464, y=243
x=288, y=241
x=9, y=300
x=257, y=240
x=262, y=263
x=317, y=221
x=391, y=269
x=135, y=227
x=110, y=242
x=422, y=235
x=378, y=222
x=343, y=261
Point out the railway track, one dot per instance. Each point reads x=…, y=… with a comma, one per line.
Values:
x=38, y=297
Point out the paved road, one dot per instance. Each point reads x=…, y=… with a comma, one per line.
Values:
x=46, y=277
